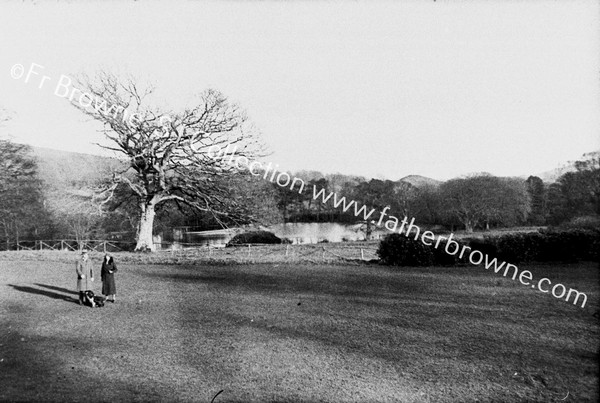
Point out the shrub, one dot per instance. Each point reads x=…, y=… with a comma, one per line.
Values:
x=570, y=245
x=442, y=258
x=399, y=250
x=543, y=246
x=254, y=237
x=594, y=254
x=516, y=248
x=487, y=245
x=584, y=222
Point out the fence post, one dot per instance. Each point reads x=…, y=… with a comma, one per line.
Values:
x=362, y=256
x=104, y=246
x=287, y=248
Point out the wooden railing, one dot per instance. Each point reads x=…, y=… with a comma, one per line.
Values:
x=73, y=245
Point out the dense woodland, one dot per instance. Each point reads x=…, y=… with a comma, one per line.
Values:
x=47, y=194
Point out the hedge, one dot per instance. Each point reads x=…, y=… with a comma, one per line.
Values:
x=542, y=246
x=400, y=250
x=254, y=237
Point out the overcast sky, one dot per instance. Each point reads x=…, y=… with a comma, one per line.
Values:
x=379, y=89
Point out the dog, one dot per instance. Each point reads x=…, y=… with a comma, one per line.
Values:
x=89, y=299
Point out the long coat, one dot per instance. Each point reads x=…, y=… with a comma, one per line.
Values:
x=85, y=275
x=108, y=277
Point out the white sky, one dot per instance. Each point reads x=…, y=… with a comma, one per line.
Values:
x=380, y=89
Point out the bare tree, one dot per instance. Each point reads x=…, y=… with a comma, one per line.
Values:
x=405, y=196
x=172, y=156
x=483, y=198
x=77, y=212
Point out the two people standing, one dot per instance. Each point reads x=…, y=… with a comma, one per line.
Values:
x=85, y=276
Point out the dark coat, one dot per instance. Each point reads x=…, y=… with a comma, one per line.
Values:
x=85, y=275
x=108, y=277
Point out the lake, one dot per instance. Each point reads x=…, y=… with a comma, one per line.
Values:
x=298, y=233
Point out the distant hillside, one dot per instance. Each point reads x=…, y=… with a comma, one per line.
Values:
x=64, y=169
x=419, y=181
x=553, y=175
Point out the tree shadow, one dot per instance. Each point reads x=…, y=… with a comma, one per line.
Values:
x=52, y=287
x=35, y=364
x=45, y=293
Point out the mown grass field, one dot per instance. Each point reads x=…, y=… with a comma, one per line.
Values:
x=296, y=333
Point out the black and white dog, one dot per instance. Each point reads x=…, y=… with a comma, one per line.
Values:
x=90, y=300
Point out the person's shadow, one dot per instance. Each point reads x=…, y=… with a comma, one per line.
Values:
x=55, y=288
x=46, y=293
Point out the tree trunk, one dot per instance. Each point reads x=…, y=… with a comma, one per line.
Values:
x=145, y=241
x=468, y=226
x=368, y=230
x=79, y=240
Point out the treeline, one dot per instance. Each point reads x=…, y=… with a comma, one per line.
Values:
x=76, y=206
x=480, y=201
x=22, y=209
x=46, y=195
x=31, y=208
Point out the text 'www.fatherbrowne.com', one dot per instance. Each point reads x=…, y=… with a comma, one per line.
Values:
x=405, y=226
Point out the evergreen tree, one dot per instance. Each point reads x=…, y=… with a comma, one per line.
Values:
x=21, y=202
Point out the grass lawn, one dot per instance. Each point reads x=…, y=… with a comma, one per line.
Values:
x=297, y=333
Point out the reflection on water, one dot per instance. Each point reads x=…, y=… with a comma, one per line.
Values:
x=215, y=238
x=317, y=232
x=298, y=233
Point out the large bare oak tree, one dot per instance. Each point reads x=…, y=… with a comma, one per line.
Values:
x=171, y=155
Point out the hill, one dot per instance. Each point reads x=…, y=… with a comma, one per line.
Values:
x=419, y=181
x=63, y=169
x=553, y=175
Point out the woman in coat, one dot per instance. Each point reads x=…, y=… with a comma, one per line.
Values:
x=85, y=275
x=109, y=289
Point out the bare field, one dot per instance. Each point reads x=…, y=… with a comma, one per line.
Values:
x=295, y=333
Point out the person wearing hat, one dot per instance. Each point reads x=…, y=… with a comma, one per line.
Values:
x=85, y=275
